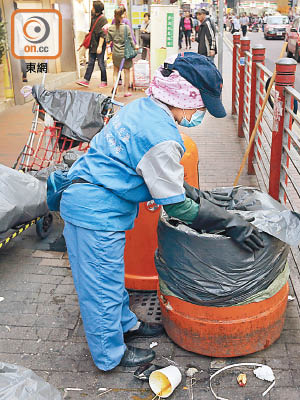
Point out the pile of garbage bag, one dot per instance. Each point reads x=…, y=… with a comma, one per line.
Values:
x=211, y=269
x=20, y=383
x=22, y=198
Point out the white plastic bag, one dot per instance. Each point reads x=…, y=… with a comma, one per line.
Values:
x=141, y=73
x=19, y=383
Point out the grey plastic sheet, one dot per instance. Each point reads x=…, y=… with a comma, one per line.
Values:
x=81, y=113
x=19, y=383
x=22, y=198
x=269, y=215
x=211, y=269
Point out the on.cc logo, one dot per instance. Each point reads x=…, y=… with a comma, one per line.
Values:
x=36, y=29
x=36, y=34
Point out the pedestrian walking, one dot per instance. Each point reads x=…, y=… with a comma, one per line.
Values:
x=136, y=158
x=116, y=35
x=265, y=17
x=228, y=23
x=97, y=46
x=145, y=34
x=224, y=22
x=126, y=21
x=186, y=24
x=206, y=37
x=244, y=21
x=236, y=26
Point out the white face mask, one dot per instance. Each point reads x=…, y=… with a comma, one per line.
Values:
x=196, y=119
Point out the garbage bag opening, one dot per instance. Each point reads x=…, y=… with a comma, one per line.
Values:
x=211, y=269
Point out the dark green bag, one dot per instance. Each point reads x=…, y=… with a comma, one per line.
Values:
x=129, y=51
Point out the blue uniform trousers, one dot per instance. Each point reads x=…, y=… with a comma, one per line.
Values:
x=97, y=262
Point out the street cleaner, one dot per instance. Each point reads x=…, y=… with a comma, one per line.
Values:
x=136, y=158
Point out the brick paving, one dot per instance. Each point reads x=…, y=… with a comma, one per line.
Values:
x=40, y=325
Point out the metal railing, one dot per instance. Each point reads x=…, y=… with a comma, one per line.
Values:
x=289, y=191
x=275, y=153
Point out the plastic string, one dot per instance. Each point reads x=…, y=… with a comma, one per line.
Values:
x=234, y=366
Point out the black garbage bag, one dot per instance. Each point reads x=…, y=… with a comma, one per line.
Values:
x=211, y=269
x=20, y=383
x=81, y=113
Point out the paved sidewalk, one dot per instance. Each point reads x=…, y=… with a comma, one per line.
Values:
x=40, y=325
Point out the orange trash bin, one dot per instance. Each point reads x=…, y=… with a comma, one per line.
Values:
x=141, y=241
x=224, y=331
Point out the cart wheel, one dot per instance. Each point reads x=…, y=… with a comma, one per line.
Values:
x=44, y=226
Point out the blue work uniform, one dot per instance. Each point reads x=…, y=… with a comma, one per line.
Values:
x=135, y=158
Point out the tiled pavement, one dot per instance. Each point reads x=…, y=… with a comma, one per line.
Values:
x=40, y=327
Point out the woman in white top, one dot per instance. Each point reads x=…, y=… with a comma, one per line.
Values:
x=236, y=26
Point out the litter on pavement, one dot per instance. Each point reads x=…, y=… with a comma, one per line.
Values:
x=242, y=379
x=21, y=383
x=263, y=371
x=164, y=381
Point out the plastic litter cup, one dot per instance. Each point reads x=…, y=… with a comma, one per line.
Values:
x=164, y=381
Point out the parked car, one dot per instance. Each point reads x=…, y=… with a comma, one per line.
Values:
x=293, y=39
x=275, y=27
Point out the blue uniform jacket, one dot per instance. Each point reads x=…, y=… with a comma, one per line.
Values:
x=135, y=158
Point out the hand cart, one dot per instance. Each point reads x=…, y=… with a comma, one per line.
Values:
x=46, y=146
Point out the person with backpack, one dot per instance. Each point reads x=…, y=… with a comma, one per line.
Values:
x=97, y=45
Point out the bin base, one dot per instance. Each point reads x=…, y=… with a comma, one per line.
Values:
x=143, y=283
x=224, y=331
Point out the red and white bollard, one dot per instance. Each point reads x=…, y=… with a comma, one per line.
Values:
x=245, y=46
x=258, y=56
x=285, y=76
x=236, y=41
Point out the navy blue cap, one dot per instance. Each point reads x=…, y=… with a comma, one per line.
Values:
x=202, y=73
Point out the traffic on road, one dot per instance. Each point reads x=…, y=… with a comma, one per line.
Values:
x=274, y=45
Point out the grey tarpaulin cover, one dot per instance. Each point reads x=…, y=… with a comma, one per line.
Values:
x=270, y=216
x=81, y=113
x=19, y=383
x=211, y=269
x=22, y=198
